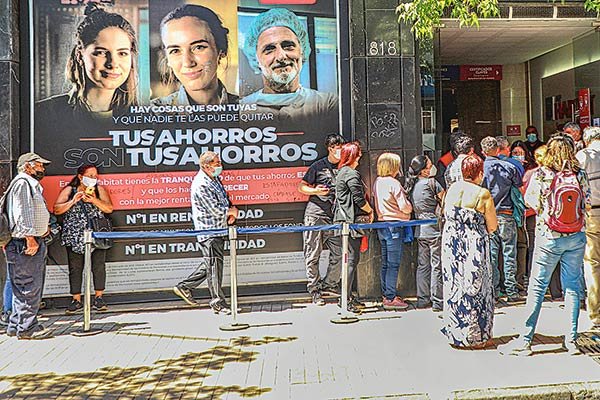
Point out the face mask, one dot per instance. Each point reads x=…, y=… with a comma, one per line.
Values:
x=217, y=171
x=520, y=158
x=338, y=153
x=39, y=175
x=433, y=171
x=531, y=138
x=89, y=182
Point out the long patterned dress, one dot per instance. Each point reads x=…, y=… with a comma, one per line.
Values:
x=467, y=276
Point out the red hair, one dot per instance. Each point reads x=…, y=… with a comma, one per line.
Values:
x=350, y=153
x=471, y=167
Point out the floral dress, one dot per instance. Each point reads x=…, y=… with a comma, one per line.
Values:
x=467, y=276
x=75, y=221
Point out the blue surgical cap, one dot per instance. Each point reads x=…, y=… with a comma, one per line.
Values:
x=269, y=19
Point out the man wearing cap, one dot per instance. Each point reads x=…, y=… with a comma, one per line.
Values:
x=26, y=252
x=276, y=47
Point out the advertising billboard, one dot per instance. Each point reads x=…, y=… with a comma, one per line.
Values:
x=140, y=88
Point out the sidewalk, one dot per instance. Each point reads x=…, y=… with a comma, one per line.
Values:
x=291, y=351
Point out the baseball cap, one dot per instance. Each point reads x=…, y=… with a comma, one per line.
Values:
x=29, y=157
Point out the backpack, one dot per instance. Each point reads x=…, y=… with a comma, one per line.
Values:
x=566, y=203
x=5, y=228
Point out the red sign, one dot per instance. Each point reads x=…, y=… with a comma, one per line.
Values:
x=481, y=72
x=584, y=107
x=513, y=130
x=287, y=1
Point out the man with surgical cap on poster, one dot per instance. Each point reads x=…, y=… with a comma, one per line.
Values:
x=276, y=47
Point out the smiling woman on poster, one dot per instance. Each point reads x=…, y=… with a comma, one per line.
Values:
x=195, y=43
x=102, y=72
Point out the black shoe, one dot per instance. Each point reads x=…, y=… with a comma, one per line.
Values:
x=437, y=309
x=514, y=299
x=11, y=333
x=4, y=319
x=74, y=307
x=39, y=334
x=356, y=303
x=354, y=309
x=185, y=294
x=100, y=304
x=317, y=298
x=421, y=306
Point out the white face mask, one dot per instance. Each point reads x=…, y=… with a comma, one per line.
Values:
x=337, y=153
x=89, y=182
x=433, y=171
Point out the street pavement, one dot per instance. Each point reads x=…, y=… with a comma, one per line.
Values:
x=290, y=351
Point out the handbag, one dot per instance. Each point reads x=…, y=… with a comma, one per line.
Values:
x=101, y=223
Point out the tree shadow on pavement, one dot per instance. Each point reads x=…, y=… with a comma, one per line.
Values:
x=176, y=378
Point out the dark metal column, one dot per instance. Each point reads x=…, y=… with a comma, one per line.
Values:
x=385, y=112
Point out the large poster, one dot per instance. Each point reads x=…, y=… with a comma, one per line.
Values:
x=140, y=88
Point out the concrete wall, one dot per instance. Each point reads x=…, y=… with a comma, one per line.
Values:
x=513, y=97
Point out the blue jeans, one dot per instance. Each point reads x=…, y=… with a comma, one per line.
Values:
x=569, y=252
x=505, y=239
x=391, y=253
x=8, y=294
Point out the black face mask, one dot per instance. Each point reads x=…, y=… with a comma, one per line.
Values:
x=39, y=175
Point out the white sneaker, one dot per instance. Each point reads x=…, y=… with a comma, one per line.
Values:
x=571, y=348
x=517, y=347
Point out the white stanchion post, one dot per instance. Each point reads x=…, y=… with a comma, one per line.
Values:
x=87, y=288
x=346, y=316
x=234, y=326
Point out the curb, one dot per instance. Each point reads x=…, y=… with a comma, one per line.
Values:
x=564, y=391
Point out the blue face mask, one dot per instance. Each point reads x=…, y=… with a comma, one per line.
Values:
x=531, y=138
x=217, y=171
x=520, y=158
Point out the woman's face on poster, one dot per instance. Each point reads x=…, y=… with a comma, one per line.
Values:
x=108, y=60
x=191, y=52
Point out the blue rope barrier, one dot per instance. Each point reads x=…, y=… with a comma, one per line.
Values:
x=242, y=231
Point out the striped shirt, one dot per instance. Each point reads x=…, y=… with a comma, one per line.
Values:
x=209, y=203
x=27, y=211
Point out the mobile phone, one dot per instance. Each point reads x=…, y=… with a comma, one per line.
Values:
x=89, y=190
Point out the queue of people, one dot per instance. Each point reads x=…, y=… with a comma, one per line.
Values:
x=486, y=202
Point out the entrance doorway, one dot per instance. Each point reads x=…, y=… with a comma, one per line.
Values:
x=473, y=106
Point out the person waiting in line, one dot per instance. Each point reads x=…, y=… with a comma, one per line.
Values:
x=553, y=247
x=504, y=154
x=25, y=253
x=499, y=178
x=211, y=209
x=574, y=131
x=467, y=272
x=195, y=45
x=555, y=285
x=319, y=184
x=81, y=200
x=532, y=138
x=520, y=152
x=447, y=157
x=589, y=159
x=352, y=207
x=426, y=196
x=391, y=203
x=463, y=147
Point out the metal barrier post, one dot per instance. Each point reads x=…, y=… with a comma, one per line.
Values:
x=234, y=326
x=87, y=276
x=346, y=317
